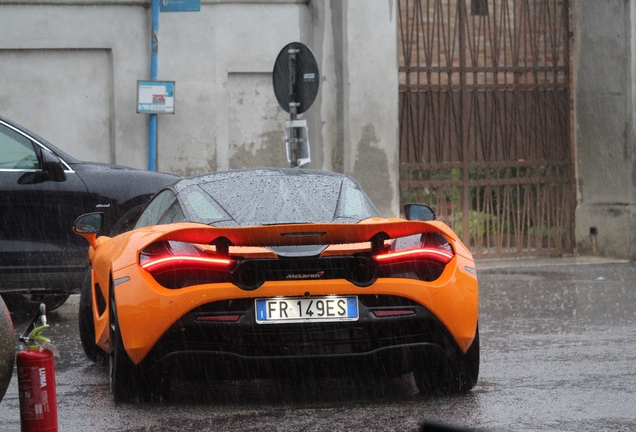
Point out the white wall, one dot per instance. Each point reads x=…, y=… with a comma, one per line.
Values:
x=371, y=100
x=74, y=76
x=226, y=114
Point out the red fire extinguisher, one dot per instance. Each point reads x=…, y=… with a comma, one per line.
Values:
x=36, y=379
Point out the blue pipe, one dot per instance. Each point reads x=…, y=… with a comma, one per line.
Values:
x=152, y=123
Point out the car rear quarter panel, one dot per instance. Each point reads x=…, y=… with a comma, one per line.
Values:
x=107, y=253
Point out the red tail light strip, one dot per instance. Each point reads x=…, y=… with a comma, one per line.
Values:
x=436, y=254
x=170, y=261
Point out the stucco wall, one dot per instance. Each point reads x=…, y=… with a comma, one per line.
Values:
x=372, y=153
x=69, y=68
x=74, y=76
x=221, y=59
x=605, y=152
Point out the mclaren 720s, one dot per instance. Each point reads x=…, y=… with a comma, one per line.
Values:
x=277, y=273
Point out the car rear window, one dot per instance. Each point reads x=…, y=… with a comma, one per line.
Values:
x=200, y=206
x=266, y=200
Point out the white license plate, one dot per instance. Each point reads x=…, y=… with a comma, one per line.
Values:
x=301, y=309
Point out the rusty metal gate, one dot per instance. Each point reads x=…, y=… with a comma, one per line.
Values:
x=485, y=121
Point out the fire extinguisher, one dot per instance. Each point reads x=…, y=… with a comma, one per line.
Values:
x=36, y=378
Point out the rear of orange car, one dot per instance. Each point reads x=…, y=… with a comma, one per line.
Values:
x=385, y=296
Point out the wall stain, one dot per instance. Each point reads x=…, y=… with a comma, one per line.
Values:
x=270, y=153
x=193, y=156
x=371, y=169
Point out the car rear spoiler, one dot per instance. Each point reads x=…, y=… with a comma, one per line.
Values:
x=374, y=229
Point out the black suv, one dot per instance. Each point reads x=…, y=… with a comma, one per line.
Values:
x=42, y=191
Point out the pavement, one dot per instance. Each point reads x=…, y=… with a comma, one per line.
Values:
x=494, y=263
x=555, y=373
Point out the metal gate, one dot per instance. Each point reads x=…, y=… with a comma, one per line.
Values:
x=485, y=121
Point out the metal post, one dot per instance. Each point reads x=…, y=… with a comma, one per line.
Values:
x=293, y=107
x=152, y=122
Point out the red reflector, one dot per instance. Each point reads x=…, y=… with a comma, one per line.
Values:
x=176, y=260
x=425, y=253
x=219, y=318
x=390, y=313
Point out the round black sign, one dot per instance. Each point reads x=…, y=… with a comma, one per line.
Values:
x=303, y=73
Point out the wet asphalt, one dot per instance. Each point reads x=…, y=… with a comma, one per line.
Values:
x=558, y=353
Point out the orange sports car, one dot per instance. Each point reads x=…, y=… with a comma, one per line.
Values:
x=274, y=273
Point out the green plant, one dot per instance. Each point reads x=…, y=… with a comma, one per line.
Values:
x=479, y=223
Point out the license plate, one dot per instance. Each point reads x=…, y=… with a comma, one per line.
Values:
x=302, y=309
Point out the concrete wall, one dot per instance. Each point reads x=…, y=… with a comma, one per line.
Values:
x=69, y=68
x=605, y=73
x=69, y=73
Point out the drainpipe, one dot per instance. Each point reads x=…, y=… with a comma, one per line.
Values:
x=152, y=121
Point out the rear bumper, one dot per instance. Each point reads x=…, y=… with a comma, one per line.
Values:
x=148, y=312
x=391, y=362
x=245, y=349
